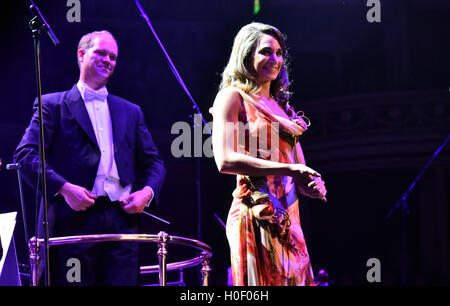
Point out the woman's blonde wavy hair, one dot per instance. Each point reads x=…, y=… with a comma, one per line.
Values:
x=237, y=72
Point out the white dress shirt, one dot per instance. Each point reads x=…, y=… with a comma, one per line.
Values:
x=107, y=181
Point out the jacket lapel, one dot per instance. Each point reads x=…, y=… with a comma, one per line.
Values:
x=118, y=120
x=76, y=106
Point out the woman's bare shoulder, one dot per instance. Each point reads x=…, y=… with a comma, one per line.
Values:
x=229, y=98
x=230, y=92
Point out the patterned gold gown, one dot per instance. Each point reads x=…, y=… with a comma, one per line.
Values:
x=266, y=241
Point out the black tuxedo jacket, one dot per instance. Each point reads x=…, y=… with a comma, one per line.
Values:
x=72, y=152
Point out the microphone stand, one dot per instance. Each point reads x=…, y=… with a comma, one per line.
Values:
x=196, y=124
x=22, y=202
x=36, y=23
x=402, y=203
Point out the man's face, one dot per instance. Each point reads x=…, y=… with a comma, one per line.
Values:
x=98, y=62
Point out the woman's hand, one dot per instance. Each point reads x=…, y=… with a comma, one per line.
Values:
x=309, y=182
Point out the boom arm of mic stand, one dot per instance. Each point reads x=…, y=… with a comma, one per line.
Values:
x=171, y=65
x=402, y=201
x=43, y=23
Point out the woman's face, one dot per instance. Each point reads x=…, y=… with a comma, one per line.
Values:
x=267, y=59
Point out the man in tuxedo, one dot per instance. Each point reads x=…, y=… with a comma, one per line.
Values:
x=102, y=169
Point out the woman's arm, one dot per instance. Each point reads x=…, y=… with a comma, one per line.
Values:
x=313, y=187
x=226, y=109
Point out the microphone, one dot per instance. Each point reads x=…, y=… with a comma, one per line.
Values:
x=12, y=166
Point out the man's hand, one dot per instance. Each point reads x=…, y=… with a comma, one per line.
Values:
x=136, y=202
x=78, y=198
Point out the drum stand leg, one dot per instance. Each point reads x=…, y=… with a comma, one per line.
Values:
x=206, y=269
x=162, y=254
x=34, y=246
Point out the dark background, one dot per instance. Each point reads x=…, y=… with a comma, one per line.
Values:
x=377, y=95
